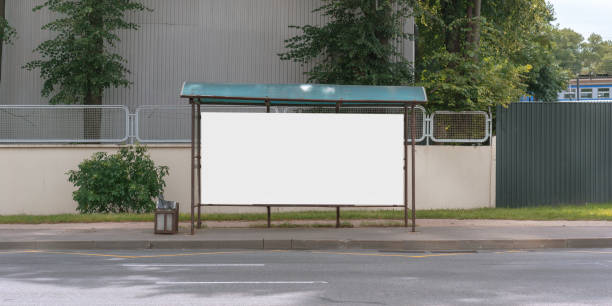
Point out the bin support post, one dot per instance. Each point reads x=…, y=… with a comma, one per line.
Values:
x=269, y=217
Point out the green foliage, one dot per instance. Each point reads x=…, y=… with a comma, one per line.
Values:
x=7, y=33
x=471, y=54
x=456, y=83
x=127, y=181
x=593, y=56
x=596, y=55
x=356, y=46
x=470, y=60
x=567, y=49
x=77, y=64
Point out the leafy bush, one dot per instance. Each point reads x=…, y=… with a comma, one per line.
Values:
x=127, y=181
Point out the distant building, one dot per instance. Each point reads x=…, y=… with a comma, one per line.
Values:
x=593, y=88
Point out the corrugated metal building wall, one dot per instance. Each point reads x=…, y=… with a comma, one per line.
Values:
x=554, y=153
x=198, y=40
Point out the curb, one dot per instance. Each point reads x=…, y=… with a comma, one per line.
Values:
x=290, y=244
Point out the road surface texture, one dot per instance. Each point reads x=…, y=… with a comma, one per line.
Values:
x=345, y=277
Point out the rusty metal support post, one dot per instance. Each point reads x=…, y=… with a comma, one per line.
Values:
x=338, y=104
x=405, y=165
x=337, y=216
x=198, y=140
x=268, y=207
x=413, y=137
x=193, y=108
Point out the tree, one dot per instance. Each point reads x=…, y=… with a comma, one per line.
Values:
x=471, y=54
x=77, y=65
x=596, y=55
x=472, y=59
x=7, y=33
x=357, y=46
x=568, y=50
x=605, y=65
x=593, y=56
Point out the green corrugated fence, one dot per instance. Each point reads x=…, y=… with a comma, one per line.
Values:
x=554, y=153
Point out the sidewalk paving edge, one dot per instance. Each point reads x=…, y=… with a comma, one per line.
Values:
x=291, y=244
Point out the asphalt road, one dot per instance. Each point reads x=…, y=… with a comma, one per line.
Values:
x=351, y=277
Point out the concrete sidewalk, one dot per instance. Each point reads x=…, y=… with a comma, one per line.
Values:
x=431, y=235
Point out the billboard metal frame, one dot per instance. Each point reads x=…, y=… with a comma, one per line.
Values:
x=409, y=125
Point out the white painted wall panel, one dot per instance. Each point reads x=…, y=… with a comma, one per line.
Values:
x=458, y=177
x=197, y=40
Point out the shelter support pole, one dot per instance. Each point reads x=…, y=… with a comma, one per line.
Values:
x=337, y=216
x=193, y=109
x=338, y=105
x=269, y=217
x=413, y=137
x=198, y=140
x=405, y=165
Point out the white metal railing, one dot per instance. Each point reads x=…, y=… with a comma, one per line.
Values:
x=63, y=124
x=460, y=127
x=162, y=124
x=171, y=124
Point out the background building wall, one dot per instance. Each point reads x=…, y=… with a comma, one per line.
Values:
x=198, y=40
x=33, y=179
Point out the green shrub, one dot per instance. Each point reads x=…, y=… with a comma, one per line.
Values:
x=127, y=181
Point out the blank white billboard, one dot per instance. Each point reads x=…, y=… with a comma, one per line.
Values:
x=302, y=159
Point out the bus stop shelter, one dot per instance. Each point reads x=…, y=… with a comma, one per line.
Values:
x=312, y=96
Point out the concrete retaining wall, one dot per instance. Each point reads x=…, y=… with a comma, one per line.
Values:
x=33, y=178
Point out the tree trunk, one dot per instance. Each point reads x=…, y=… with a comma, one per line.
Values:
x=92, y=116
x=451, y=37
x=382, y=37
x=474, y=34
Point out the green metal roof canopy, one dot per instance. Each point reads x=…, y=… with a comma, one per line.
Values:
x=302, y=94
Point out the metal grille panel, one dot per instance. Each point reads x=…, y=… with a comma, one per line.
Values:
x=63, y=124
x=460, y=127
x=163, y=124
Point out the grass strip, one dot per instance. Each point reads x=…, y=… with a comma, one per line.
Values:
x=601, y=212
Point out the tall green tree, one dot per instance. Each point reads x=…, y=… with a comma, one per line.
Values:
x=78, y=65
x=359, y=44
x=471, y=54
x=7, y=33
x=471, y=59
x=593, y=56
x=596, y=55
x=568, y=50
